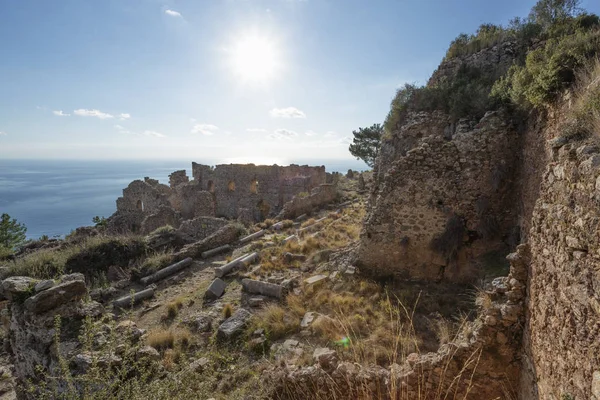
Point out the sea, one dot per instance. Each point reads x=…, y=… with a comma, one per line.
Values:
x=54, y=197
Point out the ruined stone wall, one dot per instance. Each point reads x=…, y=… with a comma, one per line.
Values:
x=250, y=192
x=299, y=205
x=482, y=363
x=563, y=318
x=259, y=188
x=442, y=199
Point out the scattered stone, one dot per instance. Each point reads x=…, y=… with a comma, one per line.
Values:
x=234, y=325
x=499, y=285
x=215, y=290
x=125, y=326
x=290, y=257
x=326, y=358
x=256, y=302
x=308, y=318
x=315, y=280
x=148, y=352
x=199, y=365
x=103, y=294
x=290, y=344
x=350, y=271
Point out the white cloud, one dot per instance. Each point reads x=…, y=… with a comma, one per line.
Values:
x=124, y=116
x=256, y=130
x=330, y=134
x=205, y=129
x=310, y=133
x=288, y=112
x=82, y=112
x=3, y=133
x=153, y=133
x=173, y=13
x=60, y=113
x=283, y=134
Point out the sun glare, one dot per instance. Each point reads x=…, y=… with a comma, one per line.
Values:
x=255, y=59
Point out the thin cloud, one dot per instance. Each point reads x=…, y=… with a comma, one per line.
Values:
x=122, y=129
x=173, y=13
x=60, y=113
x=82, y=112
x=205, y=129
x=288, y=112
x=3, y=133
x=283, y=134
x=153, y=133
x=256, y=130
x=331, y=134
x=124, y=116
x=310, y=133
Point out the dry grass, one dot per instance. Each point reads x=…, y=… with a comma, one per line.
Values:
x=227, y=310
x=277, y=321
x=173, y=308
x=162, y=339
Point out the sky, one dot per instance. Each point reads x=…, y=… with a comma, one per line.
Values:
x=236, y=80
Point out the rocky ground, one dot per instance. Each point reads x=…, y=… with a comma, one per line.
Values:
x=284, y=296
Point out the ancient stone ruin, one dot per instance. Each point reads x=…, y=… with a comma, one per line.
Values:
x=246, y=192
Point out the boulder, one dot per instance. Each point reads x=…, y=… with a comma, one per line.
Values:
x=56, y=296
x=17, y=286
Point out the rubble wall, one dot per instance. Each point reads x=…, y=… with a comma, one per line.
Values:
x=563, y=305
x=442, y=199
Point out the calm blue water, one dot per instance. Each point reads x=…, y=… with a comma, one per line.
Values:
x=54, y=197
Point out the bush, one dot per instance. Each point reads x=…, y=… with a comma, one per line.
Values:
x=550, y=69
x=466, y=95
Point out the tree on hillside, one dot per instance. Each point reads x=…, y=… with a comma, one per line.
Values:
x=546, y=12
x=12, y=233
x=365, y=145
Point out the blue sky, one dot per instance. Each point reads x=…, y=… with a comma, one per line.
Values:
x=144, y=79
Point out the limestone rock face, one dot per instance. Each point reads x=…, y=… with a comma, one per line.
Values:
x=32, y=326
x=443, y=197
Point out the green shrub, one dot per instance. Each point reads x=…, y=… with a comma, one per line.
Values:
x=550, y=69
x=466, y=95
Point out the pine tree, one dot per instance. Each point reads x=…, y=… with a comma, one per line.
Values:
x=12, y=233
x=365, y=145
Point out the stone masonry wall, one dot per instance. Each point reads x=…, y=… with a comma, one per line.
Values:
x=563, y=318
x=442, y=198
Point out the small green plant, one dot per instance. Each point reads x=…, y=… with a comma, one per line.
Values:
x=99, y=222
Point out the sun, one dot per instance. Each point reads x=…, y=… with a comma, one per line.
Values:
x=255, y=59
